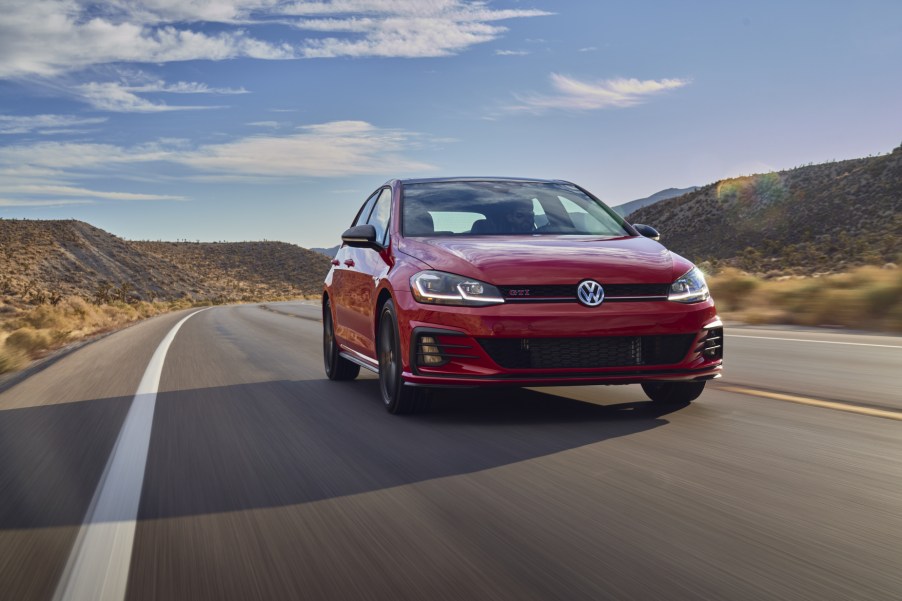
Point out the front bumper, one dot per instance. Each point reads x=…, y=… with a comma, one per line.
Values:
x=465, y=362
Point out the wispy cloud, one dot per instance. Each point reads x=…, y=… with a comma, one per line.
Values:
x=45, y=190
x=44, y=124
x=38, y=172
x=335, y=149
x=117, y=98
x=266, y=124
x=512, y=52
x=183, y=87
x=575, y=95
x=54, y=202
x=405, y=28
x=51, y=37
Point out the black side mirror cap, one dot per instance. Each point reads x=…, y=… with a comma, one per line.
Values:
x=360, y=236
x=647, y=231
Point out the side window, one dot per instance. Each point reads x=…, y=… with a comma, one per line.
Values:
x=381, y=215
x=365, y=210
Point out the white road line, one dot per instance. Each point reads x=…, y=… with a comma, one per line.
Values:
x=97, y=569
x=818, y=341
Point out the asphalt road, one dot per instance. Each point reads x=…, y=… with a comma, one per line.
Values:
x=260, y=479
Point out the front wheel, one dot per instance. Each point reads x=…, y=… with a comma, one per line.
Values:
x=397, y=397
x=673, y=392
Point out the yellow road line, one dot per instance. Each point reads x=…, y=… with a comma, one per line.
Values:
x=896, y=415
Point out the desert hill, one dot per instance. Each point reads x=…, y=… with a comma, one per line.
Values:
x=816, y=218
x=43, y=260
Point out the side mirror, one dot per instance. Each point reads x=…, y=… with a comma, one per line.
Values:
x=360, y=236
x=647, y=231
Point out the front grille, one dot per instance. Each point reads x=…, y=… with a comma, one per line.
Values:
x=605, y=351
x=567, y=292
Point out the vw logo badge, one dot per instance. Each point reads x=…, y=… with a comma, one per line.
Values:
x=590, y=293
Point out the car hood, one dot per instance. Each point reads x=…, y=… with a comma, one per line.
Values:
x=518, y=260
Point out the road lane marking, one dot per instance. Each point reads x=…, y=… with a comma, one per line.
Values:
x=97, y=568
x=896, y=415
x=818, y=341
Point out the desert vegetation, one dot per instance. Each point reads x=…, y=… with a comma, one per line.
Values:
x=62, y=281
x=30, y=331
x=867, y=297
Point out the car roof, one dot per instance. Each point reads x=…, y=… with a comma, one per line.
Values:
x=435, y=180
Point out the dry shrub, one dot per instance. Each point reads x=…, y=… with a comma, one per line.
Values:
x=834, y=306
x=10, y=359
x=893, y=321
x=29, y=341
x=731, y=288
x=865, y=298
x=45, y=317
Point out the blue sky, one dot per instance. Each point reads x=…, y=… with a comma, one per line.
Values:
x=274, y=119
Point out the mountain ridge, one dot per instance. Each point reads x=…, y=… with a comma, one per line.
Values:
x=626, y=208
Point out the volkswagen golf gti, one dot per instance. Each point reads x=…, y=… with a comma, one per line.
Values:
x=464, y=282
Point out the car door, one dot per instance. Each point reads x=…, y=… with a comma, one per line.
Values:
x=342, y=278
x=368, y=266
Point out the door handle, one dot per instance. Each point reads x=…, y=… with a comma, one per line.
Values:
x=349, y=262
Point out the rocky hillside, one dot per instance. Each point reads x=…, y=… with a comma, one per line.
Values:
x=817, y=218
x=45, y=260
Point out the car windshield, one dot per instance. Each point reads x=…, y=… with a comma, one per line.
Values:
x=490, y=208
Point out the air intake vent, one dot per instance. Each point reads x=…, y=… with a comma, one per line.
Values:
x=606, y=351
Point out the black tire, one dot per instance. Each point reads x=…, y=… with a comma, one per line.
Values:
x=673, y=392
x=337, y=367
x=397, y=397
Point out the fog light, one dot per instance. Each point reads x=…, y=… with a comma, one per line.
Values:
x=429, y=352
x=713, y=344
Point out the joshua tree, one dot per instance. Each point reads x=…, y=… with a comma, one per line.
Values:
x=102, y=293
x=122, y=293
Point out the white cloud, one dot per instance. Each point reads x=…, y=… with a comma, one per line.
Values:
x=118, y=98
x=38, y=172
x=45, y=190
x=267, y=124
x=402, y=28
x=512, y=52
x=55, y=202
x=573, y=94
x=50, y=37
x=183, y=87
x=16, y=124
x=334, y=149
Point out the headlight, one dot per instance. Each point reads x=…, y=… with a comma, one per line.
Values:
x=440, y=288
x=691, y=288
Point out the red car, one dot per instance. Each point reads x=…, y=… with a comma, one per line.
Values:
x=519, y=282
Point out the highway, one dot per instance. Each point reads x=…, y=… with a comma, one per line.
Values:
x=218, y=463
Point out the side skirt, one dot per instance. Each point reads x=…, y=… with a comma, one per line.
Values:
x=361, y=360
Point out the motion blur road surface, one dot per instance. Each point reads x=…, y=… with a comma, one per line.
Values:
x=263, y=480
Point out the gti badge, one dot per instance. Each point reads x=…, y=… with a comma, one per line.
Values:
x=590, y=293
